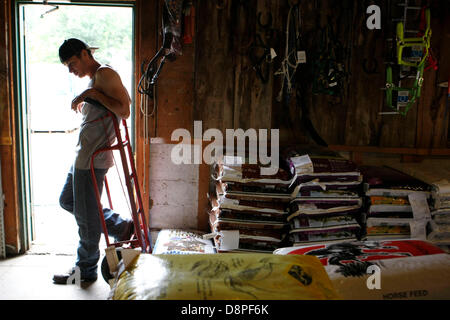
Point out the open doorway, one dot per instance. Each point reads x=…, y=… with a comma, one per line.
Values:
x=49, y=127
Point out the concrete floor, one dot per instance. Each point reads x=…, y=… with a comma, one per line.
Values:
x=29, y=277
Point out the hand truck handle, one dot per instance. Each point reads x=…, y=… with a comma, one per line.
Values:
x=95, y=103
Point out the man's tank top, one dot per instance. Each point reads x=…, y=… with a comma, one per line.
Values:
x=96, y=132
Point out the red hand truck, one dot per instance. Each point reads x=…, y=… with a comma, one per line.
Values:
x=141, y=237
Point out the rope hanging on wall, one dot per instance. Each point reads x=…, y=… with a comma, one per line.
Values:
x=291, y=53
x=291, y=80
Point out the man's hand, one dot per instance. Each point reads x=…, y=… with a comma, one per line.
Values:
x=77, y=102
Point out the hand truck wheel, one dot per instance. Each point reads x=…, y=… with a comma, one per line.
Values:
x=106, y=274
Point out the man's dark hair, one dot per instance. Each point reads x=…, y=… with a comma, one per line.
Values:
x=72, y=47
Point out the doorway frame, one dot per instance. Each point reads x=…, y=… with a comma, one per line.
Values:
x=24, y=191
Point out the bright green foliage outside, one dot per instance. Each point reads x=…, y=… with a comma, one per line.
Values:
x=91, y=24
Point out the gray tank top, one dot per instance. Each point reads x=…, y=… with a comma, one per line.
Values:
x=96, y=132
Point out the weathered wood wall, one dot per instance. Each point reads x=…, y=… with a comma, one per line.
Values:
x=228, y=93
x=7, y=132
x=214, y=81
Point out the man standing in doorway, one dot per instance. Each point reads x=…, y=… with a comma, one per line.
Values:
x=96, y=132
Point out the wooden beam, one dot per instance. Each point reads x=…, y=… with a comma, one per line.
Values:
x=146, y=26
x=5, y=141
x=7, y=133
x=356, y=157
x=411, y=158
x=393, y=150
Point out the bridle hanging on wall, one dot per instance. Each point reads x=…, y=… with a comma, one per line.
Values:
x=261, y=53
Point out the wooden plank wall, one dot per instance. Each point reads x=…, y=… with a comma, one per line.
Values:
x=228, y=94
x=214, y=82
x=7, y=132
x=432, y=120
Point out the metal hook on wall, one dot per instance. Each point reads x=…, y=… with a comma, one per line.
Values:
x=45, y=2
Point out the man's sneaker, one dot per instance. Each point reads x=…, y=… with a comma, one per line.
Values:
x=71, y=278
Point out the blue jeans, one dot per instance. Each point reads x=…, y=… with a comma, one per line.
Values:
x=78, y=198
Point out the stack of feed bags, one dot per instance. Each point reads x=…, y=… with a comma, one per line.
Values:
x=438, y=229
x=327, y=205
x=249, y=203
x=398, y=205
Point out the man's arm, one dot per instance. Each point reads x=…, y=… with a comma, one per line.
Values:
x=109, y=91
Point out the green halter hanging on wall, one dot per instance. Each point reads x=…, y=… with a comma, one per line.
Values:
x=414, y=44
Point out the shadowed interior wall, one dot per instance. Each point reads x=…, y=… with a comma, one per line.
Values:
x=215, y=82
